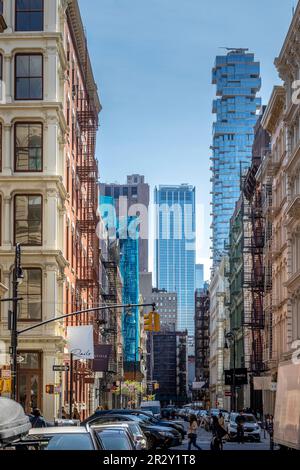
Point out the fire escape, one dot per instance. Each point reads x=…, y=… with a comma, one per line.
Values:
x=87, y=203
x=254, y=275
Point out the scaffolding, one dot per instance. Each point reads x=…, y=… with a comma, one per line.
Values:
x=129, y=265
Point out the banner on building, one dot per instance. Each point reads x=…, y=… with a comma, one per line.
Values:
x=240, y=375
x=264, y=383
x=198, y=385
x=101, y=357
x=80, y=340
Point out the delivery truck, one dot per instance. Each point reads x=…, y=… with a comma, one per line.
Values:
x=287, y=407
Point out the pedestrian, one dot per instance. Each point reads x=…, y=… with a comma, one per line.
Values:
x=63, y=413
x=218, y=433
x=221, y=420
x=240, y=421
x=36, y=419
x=192, y=433
x=76, y=414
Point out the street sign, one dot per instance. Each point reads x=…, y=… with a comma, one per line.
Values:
x=58, y=368
x=241, y=377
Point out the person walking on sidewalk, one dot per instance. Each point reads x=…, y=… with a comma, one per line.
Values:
x=192, y=433
x=240, y=421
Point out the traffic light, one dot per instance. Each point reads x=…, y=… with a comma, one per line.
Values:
x=148, y=321
x=156, y=322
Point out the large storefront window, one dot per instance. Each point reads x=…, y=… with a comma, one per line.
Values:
x=30, y=380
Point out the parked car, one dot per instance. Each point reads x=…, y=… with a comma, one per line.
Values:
x=178, y=425
x=153, y=406
x=252, y=430
x=157, y=436
x=134, y=430
x=78, y=438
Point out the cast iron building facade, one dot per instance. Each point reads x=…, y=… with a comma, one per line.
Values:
x=237, y=79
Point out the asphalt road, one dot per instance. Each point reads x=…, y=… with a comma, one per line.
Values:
x=204, y=439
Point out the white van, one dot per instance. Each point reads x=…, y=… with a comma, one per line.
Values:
x=152, y=406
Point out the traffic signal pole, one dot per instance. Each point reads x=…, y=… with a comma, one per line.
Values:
x=15, y=333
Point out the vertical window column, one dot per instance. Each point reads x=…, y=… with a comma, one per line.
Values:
x=6, y=230
x=7, y=153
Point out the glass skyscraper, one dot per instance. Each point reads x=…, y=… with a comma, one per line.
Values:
x=199, y=276
x=175, y=249
x=237, y=79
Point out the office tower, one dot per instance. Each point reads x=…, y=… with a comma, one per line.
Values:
x=175, y=249
x=199, y=276
x=166, y=305
x=132, y=199
x=237, y=79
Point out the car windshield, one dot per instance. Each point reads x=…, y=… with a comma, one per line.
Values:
x=135, y=429
x=66, y=442
x=114, y=439
x=154, y=409
x=246, y=418
x=142, y=418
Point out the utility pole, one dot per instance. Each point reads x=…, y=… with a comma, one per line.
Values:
x=71, y=387
x=233, y=378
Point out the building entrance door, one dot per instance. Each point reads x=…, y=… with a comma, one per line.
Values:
x=30, y=380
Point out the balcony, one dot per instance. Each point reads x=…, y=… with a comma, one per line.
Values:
x=293, y=209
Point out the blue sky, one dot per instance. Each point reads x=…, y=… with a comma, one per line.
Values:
x=152, y=61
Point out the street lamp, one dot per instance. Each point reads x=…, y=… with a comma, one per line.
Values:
x=231, y=336
x=18, y=277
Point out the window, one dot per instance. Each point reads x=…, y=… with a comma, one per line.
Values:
x=134, y=191
x=31, y=292
x=28, y=220
x=29, y=15
x=28, y=146
x=29, y=77
x=1, y=7
x=107, y=191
